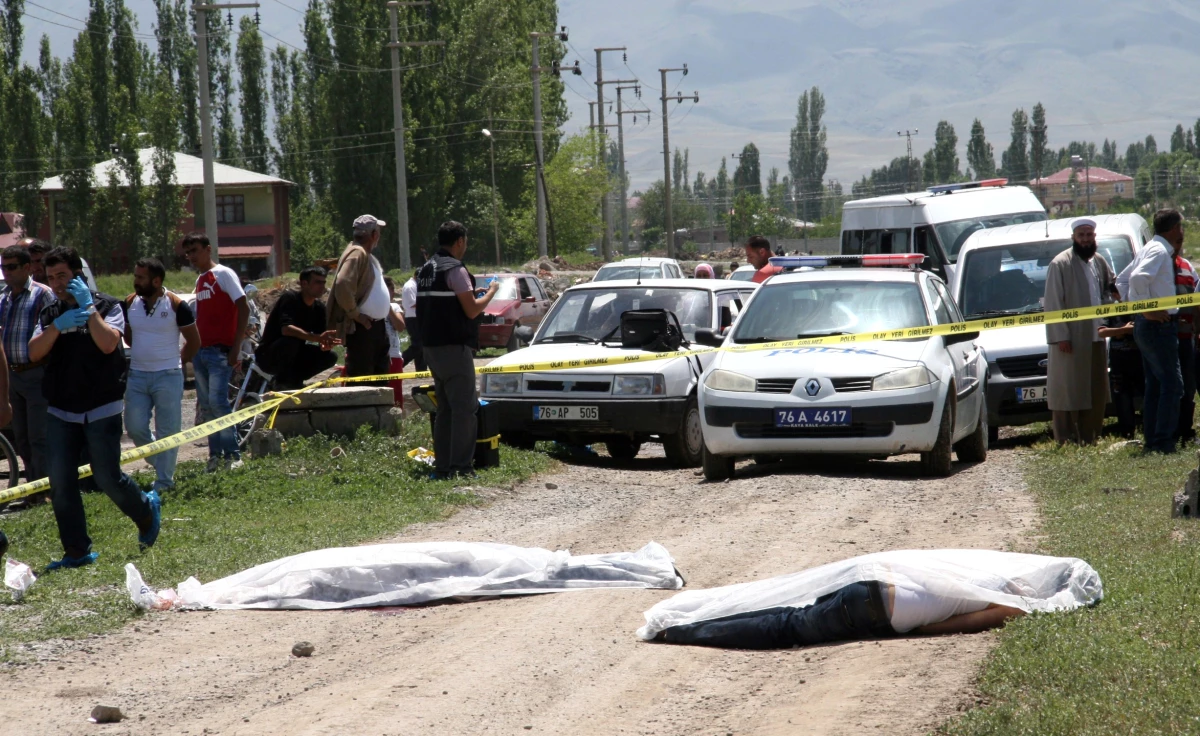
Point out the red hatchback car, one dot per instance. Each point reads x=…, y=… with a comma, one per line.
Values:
x=521, y=300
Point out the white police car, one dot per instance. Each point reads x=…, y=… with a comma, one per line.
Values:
x=621, y=405
x=875, y=398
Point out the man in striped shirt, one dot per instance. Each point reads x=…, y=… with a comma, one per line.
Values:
x=20, y=306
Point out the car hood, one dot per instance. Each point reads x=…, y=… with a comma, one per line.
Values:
x=868, y=359
x=568, y=355
x=1013, y=341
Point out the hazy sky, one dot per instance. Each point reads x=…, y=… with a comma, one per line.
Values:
x=1103, y=68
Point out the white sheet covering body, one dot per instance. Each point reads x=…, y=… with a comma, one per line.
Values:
x=1028, y=582
x=406, y=574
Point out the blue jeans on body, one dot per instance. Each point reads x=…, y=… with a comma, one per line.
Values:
x=66, y=442
x=213, y=374
x=1159, y=343
x=162, y=393
x=854, y=612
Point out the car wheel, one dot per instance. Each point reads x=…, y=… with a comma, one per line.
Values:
x=938, y=461
x=513, y=343
x=622, y=448
x=519, y=440
x=685, y=447
x=716, y=467
x=974, y=447
x=993, y=435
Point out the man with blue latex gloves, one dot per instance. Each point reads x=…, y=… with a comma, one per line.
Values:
x=80, y=337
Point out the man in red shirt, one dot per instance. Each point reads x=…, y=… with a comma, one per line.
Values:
x=758, y=253
x=221, y=316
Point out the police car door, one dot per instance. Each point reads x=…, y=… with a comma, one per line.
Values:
x=964, y=356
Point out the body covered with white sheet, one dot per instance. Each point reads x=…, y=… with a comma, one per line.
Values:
x=1026, y=582
x=408, y=574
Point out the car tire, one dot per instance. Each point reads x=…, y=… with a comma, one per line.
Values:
x=974, y=447
x=716, y=467
x=938, y=462
x=993, y=435
x=513, y=343
x=622, y=448
x=685, y=447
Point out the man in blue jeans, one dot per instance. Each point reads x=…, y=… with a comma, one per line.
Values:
x=221, y=316
x=1151, y=275
x=155, y=319
x=80, y=338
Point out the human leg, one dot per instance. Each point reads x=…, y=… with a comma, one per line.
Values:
x=139, y=402
x=1064, y=426
x=311, y=360
x=219, y=375
x=358, y=351
x=66, y=442
x=200, y=370
x=1159, y=345
x=1187, y=403
x=463, y=404
x=397, y=366
x=1091, y=421
x=27, y=385
x=443, y=421
x=167, y=396
x=103, y=438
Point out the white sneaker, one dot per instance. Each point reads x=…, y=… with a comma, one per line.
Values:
x=214, y=464
x=234, y=464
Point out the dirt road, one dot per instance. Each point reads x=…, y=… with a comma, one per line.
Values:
x=568, y=663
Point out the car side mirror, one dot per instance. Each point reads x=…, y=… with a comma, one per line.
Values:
x=960, y=337
x=529, y=300
x=710, y=338
x=524, y=333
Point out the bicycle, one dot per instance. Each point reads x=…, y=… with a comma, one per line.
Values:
x=10, y=469
x=244, y=396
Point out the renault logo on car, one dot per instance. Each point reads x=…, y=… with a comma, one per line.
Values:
x=813, y=387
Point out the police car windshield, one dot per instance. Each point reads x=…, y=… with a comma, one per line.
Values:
x=816, y=308
x=1012, y=279
x=953, y=234
x=614, y=273
x=595, y=313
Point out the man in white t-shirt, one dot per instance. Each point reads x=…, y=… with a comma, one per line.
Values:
x=155, y=319
x=408, y=300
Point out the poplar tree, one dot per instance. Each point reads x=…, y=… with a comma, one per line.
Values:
x=256, y=150
x=1039, y=153
x=980, y=156
x=809, y=156
x=1014, y=162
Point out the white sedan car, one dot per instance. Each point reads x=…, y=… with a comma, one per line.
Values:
x=877, y=398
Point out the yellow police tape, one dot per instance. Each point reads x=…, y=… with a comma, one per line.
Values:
x=998, y=323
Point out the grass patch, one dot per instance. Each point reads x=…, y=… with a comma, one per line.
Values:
x=120, y=285
x=1129, y=665
x=215, y=525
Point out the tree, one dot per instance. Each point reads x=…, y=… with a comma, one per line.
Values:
x=164, y=198
x=256, y=150
x=574, y=187
x=127, y=57
x=1178, y=141
x=99, y=73
x=942, y=160
x=980, y=157
x=748, y=175
x=221, y=87
x=1039, y=154
x=808, y=156
x=751, y=215
x=1014, y=162
x=1151, y=146
x=722, y=181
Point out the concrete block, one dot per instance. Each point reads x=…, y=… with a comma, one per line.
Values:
x=390, y=421
x=343, y=397
x=1187, y=502
x=345, y=422
x=294, y=424
x=264, y=442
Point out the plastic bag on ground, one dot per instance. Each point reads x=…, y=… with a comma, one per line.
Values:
x=1028, y=582
x=145, y=597
x=18, y=577
x=408, y=574
x=422, y=455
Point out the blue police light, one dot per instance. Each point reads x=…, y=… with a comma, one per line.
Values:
x=799, y=261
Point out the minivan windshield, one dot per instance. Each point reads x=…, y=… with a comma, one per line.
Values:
x=590, y=315
x=954, y=233
x=789, y=311
x=1012, y=279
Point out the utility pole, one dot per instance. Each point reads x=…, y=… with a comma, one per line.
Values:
x=670, y=230
x=201, y=11
x=907, y=161
x=536, y=71
x=606, y=243
x=398, y=125
x=621, y=113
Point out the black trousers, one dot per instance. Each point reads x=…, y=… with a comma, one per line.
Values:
x=413, y=354
x=293, y=361
x=854, y=612
x=367, y=350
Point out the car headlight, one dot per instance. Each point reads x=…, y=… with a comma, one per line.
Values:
x=502, y=383
x=639, y=386
x=917, y=375
x=720, y=380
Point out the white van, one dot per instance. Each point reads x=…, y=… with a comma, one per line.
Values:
x=935, y=222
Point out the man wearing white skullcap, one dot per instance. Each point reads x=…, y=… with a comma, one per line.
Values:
x=1077, y=375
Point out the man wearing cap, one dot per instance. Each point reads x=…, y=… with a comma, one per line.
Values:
x=1077, y=376
x=358, y=302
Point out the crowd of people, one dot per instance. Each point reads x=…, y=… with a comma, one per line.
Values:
x=1151, y=356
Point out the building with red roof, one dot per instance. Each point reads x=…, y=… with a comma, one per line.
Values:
x=1069, y=189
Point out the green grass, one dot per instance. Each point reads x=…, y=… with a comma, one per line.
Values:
x=1129, y=665
x=120, y=285
x=215, y=525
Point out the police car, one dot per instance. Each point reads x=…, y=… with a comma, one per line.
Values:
x=621, y=405
x=880, y=398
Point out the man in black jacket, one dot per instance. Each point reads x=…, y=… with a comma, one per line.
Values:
x=449, y=328
x=295, y=345
x=80, y=336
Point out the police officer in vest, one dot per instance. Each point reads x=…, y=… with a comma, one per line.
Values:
x=80, y=335
x=449, y=329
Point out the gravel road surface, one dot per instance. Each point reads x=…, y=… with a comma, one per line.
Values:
x=568, y=663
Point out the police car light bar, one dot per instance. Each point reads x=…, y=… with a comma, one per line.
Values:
x=911, y=260
x=945, y=188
